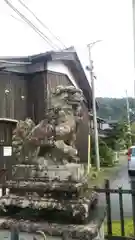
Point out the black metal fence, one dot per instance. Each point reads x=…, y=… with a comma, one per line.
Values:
x=108, y=191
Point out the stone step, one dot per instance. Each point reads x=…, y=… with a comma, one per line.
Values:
x=78, y=209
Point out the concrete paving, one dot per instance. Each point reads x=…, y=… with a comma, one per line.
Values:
x=122, y=180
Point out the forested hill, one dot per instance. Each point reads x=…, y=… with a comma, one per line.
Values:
x=114, y=108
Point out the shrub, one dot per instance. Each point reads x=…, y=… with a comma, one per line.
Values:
x=106, y=154
x=133, y=138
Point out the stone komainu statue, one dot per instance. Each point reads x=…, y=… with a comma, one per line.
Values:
x=56, y=134
x=47, y=177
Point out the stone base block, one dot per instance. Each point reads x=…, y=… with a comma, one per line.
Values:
x=70, y=171
x=78, y=210
x=91, y=231
x=50, y=188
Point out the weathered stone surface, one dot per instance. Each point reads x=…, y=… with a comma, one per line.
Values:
x=66, y=231
x=47, y=176
x=19, y=135
x=76, y=208
x=72, y=171
x=59, y=190
x=56, y=133
x=47, y=186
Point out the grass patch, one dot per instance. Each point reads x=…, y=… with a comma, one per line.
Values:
x=116, y=227
x=98, y=178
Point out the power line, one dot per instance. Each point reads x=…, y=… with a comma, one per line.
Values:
x=40, y=33
x=56, y=37
x=17, y=18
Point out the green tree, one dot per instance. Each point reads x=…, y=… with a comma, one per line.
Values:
x=133, y=127
x=115, y=108
x=133, y=133
x=118, y=137
x=105, y=152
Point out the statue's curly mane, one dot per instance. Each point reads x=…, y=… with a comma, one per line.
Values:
x=23, y=128
x=20, y=134
x=58, y=129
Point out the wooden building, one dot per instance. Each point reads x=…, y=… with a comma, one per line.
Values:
x=100, y=126
x=26, y=84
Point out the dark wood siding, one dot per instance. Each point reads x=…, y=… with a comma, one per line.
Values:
x=20, y=97
x=13, y=96
x=6, y=128
x=37, y=96
x=53, y=80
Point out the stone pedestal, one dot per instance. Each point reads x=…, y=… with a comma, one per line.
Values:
x=71, y=200
x=72, y=171
x=76, y=210
x=91, y=231
x=50, y=192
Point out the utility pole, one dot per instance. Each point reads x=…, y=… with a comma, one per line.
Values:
x=128, y=116
x=134, y=88
x=133, y=7
x=94, y=107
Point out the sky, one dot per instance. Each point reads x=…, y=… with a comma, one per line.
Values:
x=78, y=23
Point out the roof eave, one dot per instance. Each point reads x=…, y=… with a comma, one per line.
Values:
x=69, y=56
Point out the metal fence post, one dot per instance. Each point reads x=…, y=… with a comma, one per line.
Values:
x=108, y=202
x=133, y=203
x=121, y=212
x=14, y=234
